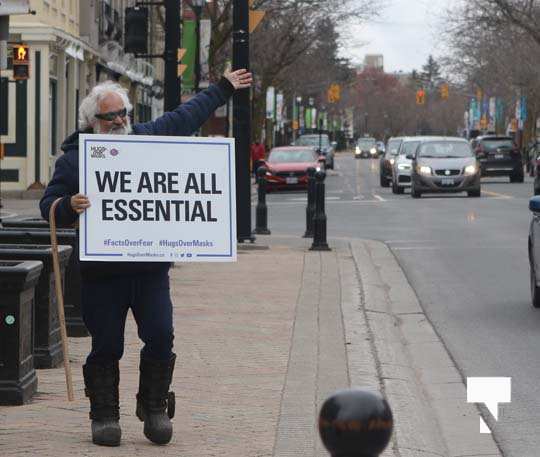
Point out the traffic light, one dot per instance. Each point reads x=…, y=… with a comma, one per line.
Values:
x=445, y=91
x=420, y=97
x=136, y=30
x=21, y=62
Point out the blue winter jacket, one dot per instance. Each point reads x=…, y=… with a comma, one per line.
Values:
x=183, y=121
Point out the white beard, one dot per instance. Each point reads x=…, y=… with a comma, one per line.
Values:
x=123, y=130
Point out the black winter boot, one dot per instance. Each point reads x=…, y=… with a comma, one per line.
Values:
x=101, y=387
x=155, y=404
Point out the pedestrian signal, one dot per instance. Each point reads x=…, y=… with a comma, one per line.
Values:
x=136, y=30
x=420, y=97
x=445, y=91
x=21, y=62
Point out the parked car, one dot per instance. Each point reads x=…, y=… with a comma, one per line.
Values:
x=327, y=148
x=444, y=165
x=381, y=148
x=387, y=160
x=365, y=148
x=287, y=167
x=534, y=251
x=499, y=156
x=402, y=166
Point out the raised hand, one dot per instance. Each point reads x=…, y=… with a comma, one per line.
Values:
x=240, y=79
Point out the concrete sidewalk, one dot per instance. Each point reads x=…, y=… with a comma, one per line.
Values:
x=261, y=343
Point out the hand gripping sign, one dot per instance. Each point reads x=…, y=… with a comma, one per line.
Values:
x=158, y=199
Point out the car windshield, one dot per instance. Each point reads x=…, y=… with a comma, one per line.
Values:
x=493, y=144
x=393, y=147
x=366, y=143
x=446, y=149
x=297, y=155
x=312, y=140
x=408, y=147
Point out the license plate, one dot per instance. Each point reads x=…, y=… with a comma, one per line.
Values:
x=499, y=156
x=291, y=180
x=447, y=182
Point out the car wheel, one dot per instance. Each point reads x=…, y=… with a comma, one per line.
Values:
x=517, y=178
x=400, y=190
x=535, y=290
x=384, y=181
x=414, y=192
x=537, y=191
x=474, y=193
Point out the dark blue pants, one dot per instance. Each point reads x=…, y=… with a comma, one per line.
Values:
x=105, y=303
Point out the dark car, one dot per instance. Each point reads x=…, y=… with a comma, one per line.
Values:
x=387, y=160
x=327, y=149
x=287, y=167
x=365, y=148
x=499, y=156
x=534, y=251
x=444, y=165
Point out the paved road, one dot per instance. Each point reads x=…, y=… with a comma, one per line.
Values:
x=466, y=258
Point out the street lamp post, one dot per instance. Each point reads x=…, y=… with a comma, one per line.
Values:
x=197, y=6
x=366, y=123
x=242, y=122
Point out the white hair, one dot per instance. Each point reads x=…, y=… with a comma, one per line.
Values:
x=89, y=106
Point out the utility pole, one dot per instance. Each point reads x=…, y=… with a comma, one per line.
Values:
x=242, y=122
x=172, y=87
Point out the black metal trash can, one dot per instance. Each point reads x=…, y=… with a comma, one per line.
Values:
x=47, y=339
x=18, y=380
x=72, y=299
x=25, y=222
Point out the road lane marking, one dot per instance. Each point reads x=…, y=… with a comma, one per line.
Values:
x=378, y=197
x=496, y=194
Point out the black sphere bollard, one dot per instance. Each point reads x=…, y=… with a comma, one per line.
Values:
x=319, y=218
x=310, y=208
x=355, y=423
x=261, y=213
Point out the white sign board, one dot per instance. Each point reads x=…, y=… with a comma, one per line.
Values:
x=8, y=7
x=157, y=199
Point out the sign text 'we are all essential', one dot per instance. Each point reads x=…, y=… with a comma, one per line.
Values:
x=148, y=183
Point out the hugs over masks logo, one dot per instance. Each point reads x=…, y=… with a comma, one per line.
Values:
x=114, y=152
x=97, y=152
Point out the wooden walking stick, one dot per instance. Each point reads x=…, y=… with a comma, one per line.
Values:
x=60, y=298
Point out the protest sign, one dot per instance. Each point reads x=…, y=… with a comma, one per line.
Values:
x=157, y=199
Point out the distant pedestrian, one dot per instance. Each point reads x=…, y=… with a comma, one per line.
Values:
x=109, y=289
x=258, y=154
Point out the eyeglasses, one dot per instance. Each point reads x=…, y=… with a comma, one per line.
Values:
x=111, y=116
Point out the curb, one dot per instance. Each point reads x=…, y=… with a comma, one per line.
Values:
x=416, y=374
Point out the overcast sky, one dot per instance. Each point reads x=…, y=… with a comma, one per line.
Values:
x=405, y=33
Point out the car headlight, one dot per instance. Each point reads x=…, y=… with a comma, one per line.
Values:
x=470, y=170
x=357, y=150
x=404, y=166
x=392, y=161
x=373, y=151
x=423, y=170
x=269, y=173
x=318, y=169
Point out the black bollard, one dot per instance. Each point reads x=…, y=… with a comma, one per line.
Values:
x=355, y=423
x=261, y=213
x=310, y=208
x=319, y=218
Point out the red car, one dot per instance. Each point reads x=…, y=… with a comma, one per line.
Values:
x=287, y=167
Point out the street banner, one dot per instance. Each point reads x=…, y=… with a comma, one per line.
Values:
x=279, y=108
x=309, y=113
x=270, y=102
x=8, y=7
x=189, y=42
x=204, y=50
x=157, y=198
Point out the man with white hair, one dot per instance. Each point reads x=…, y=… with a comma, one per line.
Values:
x=110, y=289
